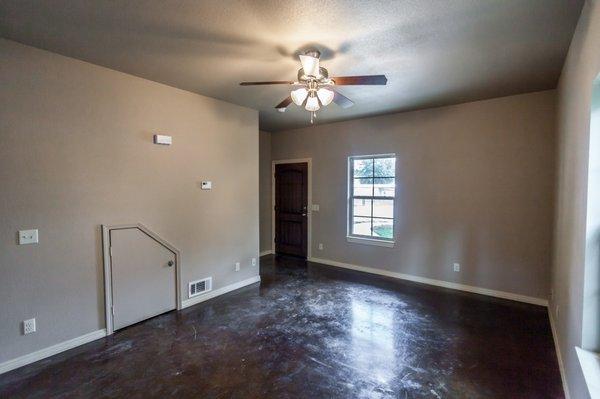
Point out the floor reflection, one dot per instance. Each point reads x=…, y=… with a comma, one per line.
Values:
x=373, y=339
x=314, y=332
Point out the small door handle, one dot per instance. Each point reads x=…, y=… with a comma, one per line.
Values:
x=304, y=214
x=170, y=263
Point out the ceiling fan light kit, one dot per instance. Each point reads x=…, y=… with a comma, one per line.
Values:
x=312, y=103
x=299, y=95
x=325, y=96
x=314, y=89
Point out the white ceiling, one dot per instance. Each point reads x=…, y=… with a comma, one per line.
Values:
x=434, y=52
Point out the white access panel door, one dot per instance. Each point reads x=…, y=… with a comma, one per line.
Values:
x=143, y=277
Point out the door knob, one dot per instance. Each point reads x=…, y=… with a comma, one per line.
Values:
x=170, y=263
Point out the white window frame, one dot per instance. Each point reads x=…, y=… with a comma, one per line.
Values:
x=359, y=239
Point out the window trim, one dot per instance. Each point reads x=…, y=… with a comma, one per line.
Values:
x=362, y=239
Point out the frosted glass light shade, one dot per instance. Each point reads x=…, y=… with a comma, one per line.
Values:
x=312, y=104
x=310, y=65
x=299, y=95
x=325, y=95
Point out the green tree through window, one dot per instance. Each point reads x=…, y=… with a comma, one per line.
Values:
x=372, y=192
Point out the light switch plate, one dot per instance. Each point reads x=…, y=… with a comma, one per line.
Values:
x=28, y=237
x=315, y=207
x=206, y=185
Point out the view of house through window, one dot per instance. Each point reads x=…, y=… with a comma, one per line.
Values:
x=372, y=189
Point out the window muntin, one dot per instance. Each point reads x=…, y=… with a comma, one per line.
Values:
x=372, y=188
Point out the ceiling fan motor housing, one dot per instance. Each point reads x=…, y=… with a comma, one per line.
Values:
x=313, y=53
x=322, y=78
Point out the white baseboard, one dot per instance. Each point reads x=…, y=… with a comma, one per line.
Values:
x=267, y=252
x=437, y=283
x=223, y=290
x=84, y=339
x=50, y=351
x=561, y=366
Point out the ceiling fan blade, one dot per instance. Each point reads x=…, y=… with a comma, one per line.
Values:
x=360, y=80
x=342, y=100
x=284, y=104
x=274, y=82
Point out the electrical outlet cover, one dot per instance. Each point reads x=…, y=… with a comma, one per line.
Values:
x=28, y=237
x=28, y=326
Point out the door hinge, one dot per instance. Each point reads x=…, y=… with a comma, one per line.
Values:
x=112, y=309
x=110, y=251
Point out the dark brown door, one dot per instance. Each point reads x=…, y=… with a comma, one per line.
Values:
x=291, y=201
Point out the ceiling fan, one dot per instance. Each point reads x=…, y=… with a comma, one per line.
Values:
x=315, y=88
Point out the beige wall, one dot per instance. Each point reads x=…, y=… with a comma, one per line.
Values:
x=76, y=152
x=475, y=186
x=265, y=191
x=574, y=103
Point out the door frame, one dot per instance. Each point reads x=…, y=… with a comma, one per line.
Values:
x=308, y=161
x=107, y=261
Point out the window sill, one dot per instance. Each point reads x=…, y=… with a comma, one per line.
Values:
x=590, y=364
x=368, y=241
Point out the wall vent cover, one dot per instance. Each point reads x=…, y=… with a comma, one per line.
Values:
x=199, y=287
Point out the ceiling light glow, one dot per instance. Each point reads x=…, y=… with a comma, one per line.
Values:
x=299, y=95
x=310, y=65
x=325, y=95
x=312, y=104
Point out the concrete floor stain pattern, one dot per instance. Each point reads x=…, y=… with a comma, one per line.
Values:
x=313, y=331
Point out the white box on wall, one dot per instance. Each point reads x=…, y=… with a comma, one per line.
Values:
x=163, y=140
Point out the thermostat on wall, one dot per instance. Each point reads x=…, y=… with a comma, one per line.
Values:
x=164, y=140
x=206, y=185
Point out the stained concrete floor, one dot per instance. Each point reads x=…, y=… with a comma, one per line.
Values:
x=313, y=331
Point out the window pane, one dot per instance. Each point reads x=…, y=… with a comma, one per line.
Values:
x=363, y=167
x=383, y=208
x=383, y=228
x=363, y=187
x=362, y=207
x=361, y=226
x=384, y=187
x=385, y=167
